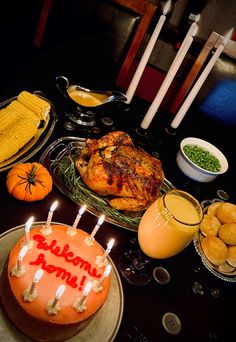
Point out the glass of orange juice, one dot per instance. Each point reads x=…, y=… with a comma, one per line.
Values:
x=169, y=224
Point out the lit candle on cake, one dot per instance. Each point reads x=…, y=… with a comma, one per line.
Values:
x=89, y=240
x=109, y=247
x=28, y=224
x=53, y=306
x=169, y=78
x=197, y=86
x=139, y=71
x=19, y=269
x=97, y=284
x=38, y=275
x=30, y=293
x=72, y=230
x=47, y=229
x=80, y=303
x=101, y=260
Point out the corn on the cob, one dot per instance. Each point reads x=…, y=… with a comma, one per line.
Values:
x=35, y=103
x=17, y=135
x=8, y=146
x=23, y=130
x=17, y=109
x=6, y=119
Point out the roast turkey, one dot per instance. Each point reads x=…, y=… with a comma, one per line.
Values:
x=112, y=166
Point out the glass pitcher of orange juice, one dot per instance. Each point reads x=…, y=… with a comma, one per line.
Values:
x=169, y=224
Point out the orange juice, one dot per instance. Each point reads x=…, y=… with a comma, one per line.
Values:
x=169, y=224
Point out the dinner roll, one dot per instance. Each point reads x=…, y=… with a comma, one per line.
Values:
x=231, y=255
x=226, y=268
x=210, y=225
x=226, y=212
x=227, y=233
x=215, y=250
x=211, y=210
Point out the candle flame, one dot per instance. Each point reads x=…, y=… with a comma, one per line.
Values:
x=101, y=219
x=110, y=244
x=38, y=275
x=107, y=271
x=28, y=224
x=53, y=206
x=82, y=209
x=228, y=36
x=197, y=18
x=87, y=288
x=23, y=252
x=166, y=7
x=60, y=291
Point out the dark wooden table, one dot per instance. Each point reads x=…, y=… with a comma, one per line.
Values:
x=204, y=316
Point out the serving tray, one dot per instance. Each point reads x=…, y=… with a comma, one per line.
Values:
x=58, y=159
x=37, y=142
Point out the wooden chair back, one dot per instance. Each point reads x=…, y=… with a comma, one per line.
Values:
x=214, y=40
x=146, y=11
x=126, y=23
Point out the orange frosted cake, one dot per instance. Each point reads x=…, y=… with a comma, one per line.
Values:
x=65, y=261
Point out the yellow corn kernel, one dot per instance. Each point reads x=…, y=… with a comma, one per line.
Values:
x=23, y=131
x=8, y=146
x=35, y=103
x=6, y=118
x=16, y=108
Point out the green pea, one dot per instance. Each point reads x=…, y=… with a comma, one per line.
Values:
x=202, y=157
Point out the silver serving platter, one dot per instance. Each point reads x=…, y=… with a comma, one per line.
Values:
x=61, y=148
x=230, y=275
x=37, y=142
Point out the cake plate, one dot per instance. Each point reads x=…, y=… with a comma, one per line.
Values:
x=104, y=325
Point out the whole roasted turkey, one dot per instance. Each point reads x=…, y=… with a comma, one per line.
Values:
x=114, y=167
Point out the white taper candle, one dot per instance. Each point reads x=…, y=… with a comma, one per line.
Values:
x=167, y=81
x=197, y=86
x=143, y=62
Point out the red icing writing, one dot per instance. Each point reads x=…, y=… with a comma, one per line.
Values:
x=66, y=254
x=59, y=271
x=82, y=282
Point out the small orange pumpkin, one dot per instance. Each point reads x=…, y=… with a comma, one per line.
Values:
x=29, y=182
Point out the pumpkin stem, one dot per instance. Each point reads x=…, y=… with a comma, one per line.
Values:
x=32, y=175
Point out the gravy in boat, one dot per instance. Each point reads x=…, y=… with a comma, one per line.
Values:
x=87, y=99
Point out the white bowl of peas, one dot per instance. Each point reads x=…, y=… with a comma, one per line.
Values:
x=200, y=160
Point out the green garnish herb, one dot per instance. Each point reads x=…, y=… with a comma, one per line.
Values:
x=201, y=157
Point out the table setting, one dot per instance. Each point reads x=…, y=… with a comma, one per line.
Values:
x=136, y=192
x=132, y=266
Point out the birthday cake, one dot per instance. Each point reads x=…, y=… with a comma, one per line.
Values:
x=54, y=282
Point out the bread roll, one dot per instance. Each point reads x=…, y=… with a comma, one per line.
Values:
x=211, y=210
x=226, y=268
x=215, y=250
x=227, y=233
x=210, y=225
x=231, y=255
x=226, y=212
